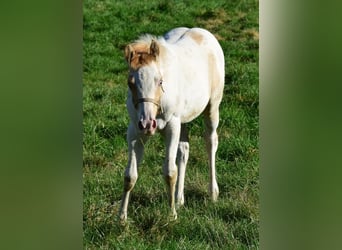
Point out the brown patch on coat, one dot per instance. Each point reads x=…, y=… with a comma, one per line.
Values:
x=140, y=54
x=197, y=37
x=158, y=94
x=216, y=81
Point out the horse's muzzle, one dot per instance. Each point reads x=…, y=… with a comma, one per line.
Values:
x=147, y=126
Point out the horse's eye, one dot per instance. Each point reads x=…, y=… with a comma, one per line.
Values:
x=160, y=82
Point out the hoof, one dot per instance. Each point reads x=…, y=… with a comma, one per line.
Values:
x=214, y=193
x=123, y=219
x=180, y=202
x=214, y=197
x=173, y=216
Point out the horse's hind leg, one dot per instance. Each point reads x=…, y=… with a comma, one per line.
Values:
x=182, y=159
x=211, y=116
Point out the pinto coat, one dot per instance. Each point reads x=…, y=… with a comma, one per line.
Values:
x=172, y=80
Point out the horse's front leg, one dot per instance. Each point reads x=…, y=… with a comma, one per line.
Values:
x=171, y=134
x=135, y=153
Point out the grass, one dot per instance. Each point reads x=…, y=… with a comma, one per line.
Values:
x=232, y=222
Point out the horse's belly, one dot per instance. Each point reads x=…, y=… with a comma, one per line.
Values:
x=193, y=109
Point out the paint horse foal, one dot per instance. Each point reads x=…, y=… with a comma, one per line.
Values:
x=172, y=80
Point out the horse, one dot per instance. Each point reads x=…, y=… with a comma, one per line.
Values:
x=172, y=80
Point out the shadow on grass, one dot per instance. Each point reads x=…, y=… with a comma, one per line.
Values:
x=141, y=199
x=194, y=194
x=233, y=213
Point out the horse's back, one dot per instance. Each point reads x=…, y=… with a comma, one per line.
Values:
x=206, y=40
x=202, y=66
x=201, y=43
x=173, y=35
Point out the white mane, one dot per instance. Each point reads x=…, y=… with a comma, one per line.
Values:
x=147, y=39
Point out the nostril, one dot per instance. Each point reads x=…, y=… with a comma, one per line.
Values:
x=147, y=124
x=154, y=123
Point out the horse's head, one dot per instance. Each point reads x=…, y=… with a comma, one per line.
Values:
x=145, y=82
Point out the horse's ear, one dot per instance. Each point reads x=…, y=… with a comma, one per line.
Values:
x=129, y=53
x=154, y=48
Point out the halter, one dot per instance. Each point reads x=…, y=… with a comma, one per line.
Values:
x=140, y=100
x=151, y=100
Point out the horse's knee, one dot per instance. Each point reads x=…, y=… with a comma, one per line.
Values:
x=170, y=176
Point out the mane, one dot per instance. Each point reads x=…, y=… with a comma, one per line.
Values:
x=147, y=39
x=140, y=53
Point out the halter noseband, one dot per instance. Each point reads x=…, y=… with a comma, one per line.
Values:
x=140, y=100
x=151, y=100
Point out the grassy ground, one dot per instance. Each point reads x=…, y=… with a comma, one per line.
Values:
x=232, y=222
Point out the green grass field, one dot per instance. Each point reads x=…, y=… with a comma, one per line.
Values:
x=232, y=222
